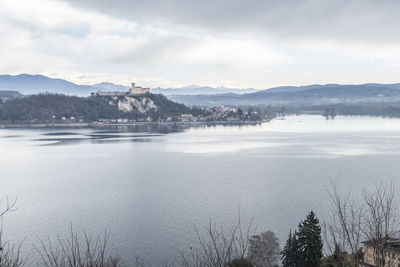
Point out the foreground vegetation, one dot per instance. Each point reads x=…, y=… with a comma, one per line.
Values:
x=334, y=243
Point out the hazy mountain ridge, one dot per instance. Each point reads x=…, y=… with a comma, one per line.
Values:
x=33, y=84
x=201, y=90
x=304, y=95
x=197, y=95
x=107, y=86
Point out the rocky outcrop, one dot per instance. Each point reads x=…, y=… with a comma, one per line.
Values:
x=141, y=104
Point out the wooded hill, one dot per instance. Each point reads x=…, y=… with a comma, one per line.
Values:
x=43, y=107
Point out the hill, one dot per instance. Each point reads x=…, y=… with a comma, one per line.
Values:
x=45, y=107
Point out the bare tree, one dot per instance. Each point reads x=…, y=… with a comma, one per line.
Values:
x=264, y=249
x=79, y=250
x=375, y=220
x=10, y=206
x=10, y=254
x=193, y=258
x=218, y=247
x=344, y=230
x=381, y=221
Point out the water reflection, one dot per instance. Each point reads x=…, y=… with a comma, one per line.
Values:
x=295, y=136
x=93, y=139
x=148, y=185
x=60, y=133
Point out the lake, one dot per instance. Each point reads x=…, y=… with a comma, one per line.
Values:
x=149, y=187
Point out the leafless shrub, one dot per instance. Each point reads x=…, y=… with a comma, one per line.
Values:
x=218, y=247
x=264, y=249
x=10, y=254
x=344, y=230
x=79, y=250
x=193, y=258
x=139, y=262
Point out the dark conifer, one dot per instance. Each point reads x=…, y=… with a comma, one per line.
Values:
x=289, y=252
x=309, y=242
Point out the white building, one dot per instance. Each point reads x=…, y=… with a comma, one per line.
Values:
x=134, y=90
x=138, y=90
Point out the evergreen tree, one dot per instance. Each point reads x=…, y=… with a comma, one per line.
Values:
x=309, y=242
x=290, y=251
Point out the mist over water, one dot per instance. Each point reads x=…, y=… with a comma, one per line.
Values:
x=148, y=187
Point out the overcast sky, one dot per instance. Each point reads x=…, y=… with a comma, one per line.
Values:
x=232, y=43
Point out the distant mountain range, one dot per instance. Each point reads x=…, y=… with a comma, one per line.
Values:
x=107, y=86
x=33, y=84
x=198, y=95
x=302, y=95
x=201, y=90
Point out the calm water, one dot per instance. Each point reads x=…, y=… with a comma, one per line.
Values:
x=148, y=188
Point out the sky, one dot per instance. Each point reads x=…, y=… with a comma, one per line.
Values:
x=230, y=43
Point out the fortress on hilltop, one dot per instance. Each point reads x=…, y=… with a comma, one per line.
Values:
x=134, y=90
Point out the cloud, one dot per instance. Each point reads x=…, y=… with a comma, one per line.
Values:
x=78, y=31
x=368, y=20
x=237, y=43
x=155, y=49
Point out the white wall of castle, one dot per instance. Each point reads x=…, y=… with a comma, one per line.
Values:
x=134, y=90
x=139, y=91
x=100, y=93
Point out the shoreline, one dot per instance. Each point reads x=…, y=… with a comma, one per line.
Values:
x=106, y=125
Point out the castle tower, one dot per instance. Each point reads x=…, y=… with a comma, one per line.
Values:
x=132, y=90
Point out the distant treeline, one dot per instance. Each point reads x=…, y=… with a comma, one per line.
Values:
x=5, y=95
x=370, y=109
x=45, y=107
x=360, y=109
